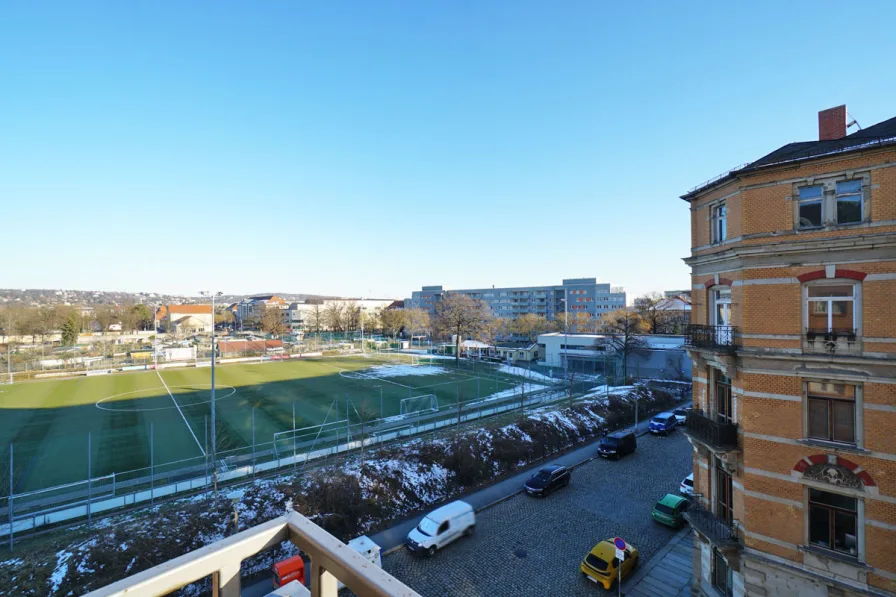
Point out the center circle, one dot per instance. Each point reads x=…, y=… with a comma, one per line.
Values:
x=99, y=403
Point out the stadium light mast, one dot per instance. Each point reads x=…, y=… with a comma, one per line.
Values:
x=213, y=296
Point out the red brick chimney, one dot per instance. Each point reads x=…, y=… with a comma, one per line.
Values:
x=832, y=123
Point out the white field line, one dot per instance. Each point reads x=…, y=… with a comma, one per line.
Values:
x=181, y=413
x=371, y=378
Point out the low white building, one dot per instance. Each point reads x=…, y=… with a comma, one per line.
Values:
x=583, y=352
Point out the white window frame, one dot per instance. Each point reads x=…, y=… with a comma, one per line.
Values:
x=719, y=222
x=856, y=300
x=716, y=301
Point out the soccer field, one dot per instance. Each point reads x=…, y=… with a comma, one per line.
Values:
x=48, y=422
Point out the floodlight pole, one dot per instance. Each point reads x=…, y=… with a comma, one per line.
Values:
x=213, y=295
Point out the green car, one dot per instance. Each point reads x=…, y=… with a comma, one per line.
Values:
x=669, y=510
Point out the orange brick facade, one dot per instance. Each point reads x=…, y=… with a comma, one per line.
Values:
x=769, y=267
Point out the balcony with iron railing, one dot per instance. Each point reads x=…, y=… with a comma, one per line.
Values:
x=719, y=338
x=832, y=341
x=719, y=531
x=331, y=559
x=721, y=436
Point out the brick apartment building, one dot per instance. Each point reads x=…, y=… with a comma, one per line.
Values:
x=793, y=340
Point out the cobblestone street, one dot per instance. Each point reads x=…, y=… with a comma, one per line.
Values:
x=531, y=546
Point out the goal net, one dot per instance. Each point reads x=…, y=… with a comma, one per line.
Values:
x=416, y=404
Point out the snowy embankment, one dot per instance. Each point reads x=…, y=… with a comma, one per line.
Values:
x=532, y=375
x=347, y=499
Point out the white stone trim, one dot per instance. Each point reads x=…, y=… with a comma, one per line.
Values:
x=771, y=498
x=881, y=525
x=772, y=540
x=884, y=407
x=879, y=277
x=763, y=281
x=793, y=442
x=787, y=397
x=769, y=474
x=772, y=336
x=867, y=339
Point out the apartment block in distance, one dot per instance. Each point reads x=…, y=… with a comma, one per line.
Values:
x=793, y=341
x=585, y=295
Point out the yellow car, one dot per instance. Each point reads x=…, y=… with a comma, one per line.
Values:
x=601, y=565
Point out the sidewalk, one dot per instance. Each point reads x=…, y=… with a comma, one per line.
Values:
x=668, y=573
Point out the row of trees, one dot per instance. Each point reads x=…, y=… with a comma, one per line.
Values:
x=42, y=321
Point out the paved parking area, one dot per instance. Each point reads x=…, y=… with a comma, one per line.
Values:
x=531, y=546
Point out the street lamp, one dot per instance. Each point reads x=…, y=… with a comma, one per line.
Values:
x=213, y=296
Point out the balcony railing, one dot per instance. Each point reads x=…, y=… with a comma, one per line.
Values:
x=331, y=559
x=715, y=337
x=718, y=530
x=715, y=434
x=833, y=341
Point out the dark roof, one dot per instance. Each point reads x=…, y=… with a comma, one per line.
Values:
x=882, y=133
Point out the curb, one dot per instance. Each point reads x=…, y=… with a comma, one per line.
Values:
x=646, y=568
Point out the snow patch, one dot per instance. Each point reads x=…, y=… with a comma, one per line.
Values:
x=381, y=371
x=523, y=372
x=61, y=570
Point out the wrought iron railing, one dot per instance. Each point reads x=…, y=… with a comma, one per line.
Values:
x=717, y=434
x=718, y=337
x=825, y=334
x=719, y=531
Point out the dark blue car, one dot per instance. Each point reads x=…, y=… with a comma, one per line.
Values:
x=663, y=423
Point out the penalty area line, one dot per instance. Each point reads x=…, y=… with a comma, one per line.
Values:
x=190, y=429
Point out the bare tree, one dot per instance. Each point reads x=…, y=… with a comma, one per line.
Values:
x=272, y=321
x=494, y=328
x=625, y=329
x=351, y=313
x=417, y=320
x=105, y=316
x=334, y=316
x=458, y=315
x=393, y=320
x=648, y=308
x=316, y=317
x=529, y=325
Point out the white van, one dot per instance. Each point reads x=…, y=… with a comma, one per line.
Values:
x=442, y=526
x=369, y=550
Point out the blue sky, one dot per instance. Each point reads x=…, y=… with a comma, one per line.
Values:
x=369, y=148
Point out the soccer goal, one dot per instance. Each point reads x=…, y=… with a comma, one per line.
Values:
x=416, y=404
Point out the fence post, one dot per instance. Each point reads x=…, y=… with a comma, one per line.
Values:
x=253, y=441
x=293, y=437
x=11, y=505
x=89, y=475
x=206, y=450
x=152, y=465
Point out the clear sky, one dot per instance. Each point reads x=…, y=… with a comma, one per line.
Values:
x=368, y=148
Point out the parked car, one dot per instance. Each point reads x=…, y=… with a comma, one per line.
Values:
x=547, y=480
x=618, y=444
x=440, y=527
x=687, y=485
x=663, y=423
x=602, y=567
x=681, y=414
x=670, y=510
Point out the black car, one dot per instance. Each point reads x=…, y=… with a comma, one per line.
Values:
x=547, y=479
x=617, y=444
